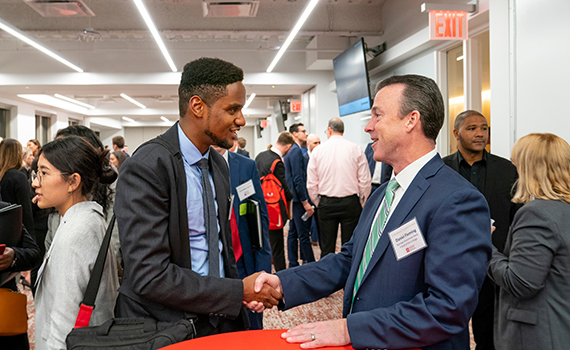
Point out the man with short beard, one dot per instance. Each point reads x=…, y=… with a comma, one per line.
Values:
x=172, y=207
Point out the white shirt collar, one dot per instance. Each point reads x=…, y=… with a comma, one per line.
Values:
x=225, y=156
x=406, y=176
x=277, y=151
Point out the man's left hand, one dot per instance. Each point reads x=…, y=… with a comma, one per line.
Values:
x=319, y=334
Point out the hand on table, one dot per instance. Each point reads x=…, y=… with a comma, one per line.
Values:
x=319, y=334
x=257, y=299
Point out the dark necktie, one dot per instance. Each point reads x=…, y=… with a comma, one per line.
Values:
x=386, y=173
x=210, y=220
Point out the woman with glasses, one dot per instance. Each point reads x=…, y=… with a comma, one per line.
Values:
x=69, y=169
x=533, y=273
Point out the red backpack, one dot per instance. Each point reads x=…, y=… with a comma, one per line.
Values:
x=275, y=198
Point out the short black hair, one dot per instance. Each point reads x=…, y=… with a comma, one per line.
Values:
x=464, y=115
x=206, y=78
x=420, y=94
x=295, y=127
x=81, y=131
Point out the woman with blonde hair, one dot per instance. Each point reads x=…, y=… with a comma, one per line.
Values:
x=533, y=309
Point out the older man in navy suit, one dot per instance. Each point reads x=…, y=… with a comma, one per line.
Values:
x=413, y=269
x=250, y=258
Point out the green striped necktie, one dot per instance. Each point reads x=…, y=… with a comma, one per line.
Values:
x=375, y=233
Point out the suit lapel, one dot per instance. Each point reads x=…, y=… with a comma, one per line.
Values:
x=411, y=197
x=234, y=181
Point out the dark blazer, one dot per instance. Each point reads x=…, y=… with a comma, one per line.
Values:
x=500, y=178
x=243, y=152
x=424, y=300
x=296, y=173
x=386, y=168
x=15, y=189
x=243, y=169
x=152, y=216
x=533, y=309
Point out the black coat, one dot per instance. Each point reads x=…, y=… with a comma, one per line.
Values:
x=500, y=178
x=152, y=216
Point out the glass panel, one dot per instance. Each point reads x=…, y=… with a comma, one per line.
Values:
x=3, y=122
x=455, y=90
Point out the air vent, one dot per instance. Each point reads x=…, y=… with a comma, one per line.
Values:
x=230, y=9
x=60, y=8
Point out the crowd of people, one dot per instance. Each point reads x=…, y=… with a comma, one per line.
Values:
x=427, y=244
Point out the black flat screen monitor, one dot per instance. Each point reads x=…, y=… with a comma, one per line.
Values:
x=280, y=117
x=351, y=77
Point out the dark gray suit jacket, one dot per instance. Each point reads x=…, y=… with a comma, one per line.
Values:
x=152, y=216
x=533, y=304
x=500, y=177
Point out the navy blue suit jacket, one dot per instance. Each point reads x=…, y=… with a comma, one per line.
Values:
x=243, y=169
x=369, y=153
x=424, y=300
x=296, y=173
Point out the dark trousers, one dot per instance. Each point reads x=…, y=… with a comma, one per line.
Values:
x=483, y=317
x=298, y=237
x=277, y=249
x=332, y=212
x=314, y=227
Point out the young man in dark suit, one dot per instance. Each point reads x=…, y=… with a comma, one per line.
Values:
x=494, y=177
x=264, y=161
x=249, y=258
x=296, y=175
x=172, y=207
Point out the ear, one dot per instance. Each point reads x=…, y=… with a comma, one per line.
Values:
x=413, y=121
x=456, y=134
x=74, y=182
x=197, y=107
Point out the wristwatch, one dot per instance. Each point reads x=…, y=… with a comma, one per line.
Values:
x=14, y=262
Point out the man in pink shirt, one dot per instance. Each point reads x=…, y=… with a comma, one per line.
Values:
x=338, y=183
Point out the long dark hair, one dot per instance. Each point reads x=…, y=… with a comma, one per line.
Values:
x=102, y=193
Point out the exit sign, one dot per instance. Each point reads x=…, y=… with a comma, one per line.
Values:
x=448, y=25
x=295, y=106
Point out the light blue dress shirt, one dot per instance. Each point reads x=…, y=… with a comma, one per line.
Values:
x=194, y=194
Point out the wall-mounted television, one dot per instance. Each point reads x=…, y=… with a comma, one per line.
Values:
x=351, y=77
x=280, y=115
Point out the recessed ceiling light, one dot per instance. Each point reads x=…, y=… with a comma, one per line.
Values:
x=293, y=33
x=165, y=119
x=28, y=40
x=149, y=23
x=248, y=102
x=133, y=101
x=128, y=119
x=68, y=99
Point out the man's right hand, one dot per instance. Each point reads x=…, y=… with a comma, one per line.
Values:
x=266, y=293
x=308, y=208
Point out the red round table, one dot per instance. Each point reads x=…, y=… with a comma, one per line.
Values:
x=247, y=340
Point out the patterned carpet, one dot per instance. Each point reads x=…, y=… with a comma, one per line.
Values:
x=329, y=308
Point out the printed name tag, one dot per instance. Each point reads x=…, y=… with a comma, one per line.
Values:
x=407, y=239
x=245, y=190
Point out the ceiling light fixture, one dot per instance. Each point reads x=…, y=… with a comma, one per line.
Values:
x=28, y=40
x=128, y=119
x=132, y=100
x=165, y=119
x=293, y=33
x=145, y=15
x=68, y=99
x=55, y=102
x=248, y=102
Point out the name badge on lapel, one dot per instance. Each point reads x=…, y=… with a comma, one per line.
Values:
x=245, y=190
x=407, y=239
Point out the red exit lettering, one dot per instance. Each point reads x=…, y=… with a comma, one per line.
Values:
x=448, y=25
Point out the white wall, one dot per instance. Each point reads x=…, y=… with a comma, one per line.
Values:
x=529, y=70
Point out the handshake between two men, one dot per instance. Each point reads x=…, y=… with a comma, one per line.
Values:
x=261, y=292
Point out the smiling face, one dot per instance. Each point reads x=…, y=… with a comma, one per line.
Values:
x=387, y=130
x=33, y=147
x=473, y=135
x=225, y=117
x=51, y=188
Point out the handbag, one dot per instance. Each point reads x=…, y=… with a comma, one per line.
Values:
x=122, y=333
x=13, y=313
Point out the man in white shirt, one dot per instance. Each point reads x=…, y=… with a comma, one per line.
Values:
x=338, y=183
